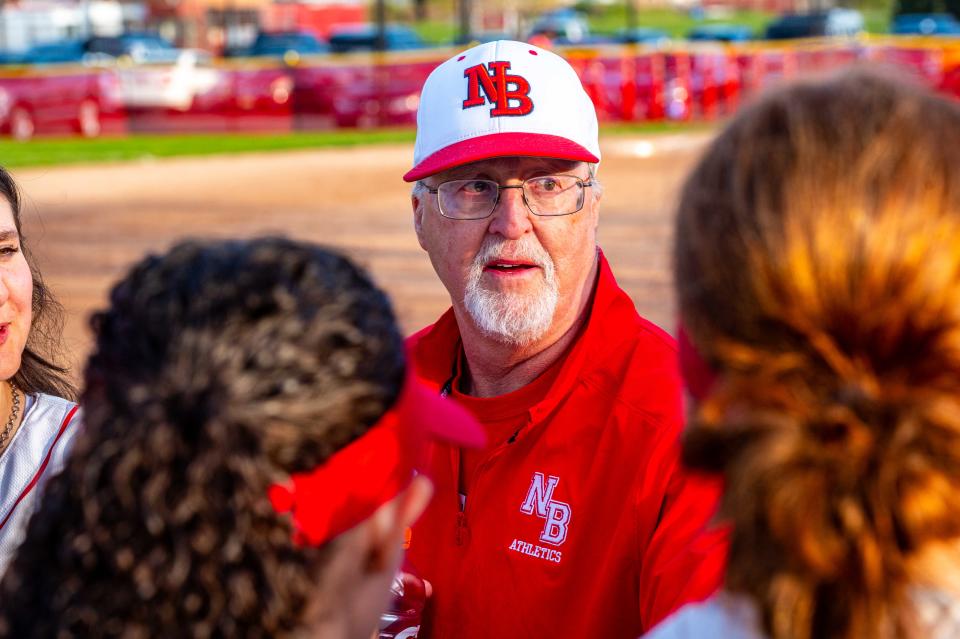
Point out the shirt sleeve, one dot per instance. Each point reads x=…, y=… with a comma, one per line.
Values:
x=684, y=559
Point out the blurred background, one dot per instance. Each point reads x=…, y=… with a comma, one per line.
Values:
x=94, y=67
x=131, y=124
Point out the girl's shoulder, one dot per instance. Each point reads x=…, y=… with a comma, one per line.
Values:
x=723, y=615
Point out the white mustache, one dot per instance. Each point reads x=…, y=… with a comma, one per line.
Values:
x=525, y=250
x=512, y=318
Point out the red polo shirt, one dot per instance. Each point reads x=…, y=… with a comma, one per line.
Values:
x=578, y=521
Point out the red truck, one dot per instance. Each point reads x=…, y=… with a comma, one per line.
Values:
x=69, y=99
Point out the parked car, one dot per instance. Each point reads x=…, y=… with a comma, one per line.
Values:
x=135, y=46
x=564, y=24
x=589, y=41
x=61, y=52
x=925, y=24
x=286, y=45
x=84, y=101
x=168, y=85
x=359, y=94
x=721, y=33
x=364, y=38
x=243, y=96
x=641, y=35
x=834, y=22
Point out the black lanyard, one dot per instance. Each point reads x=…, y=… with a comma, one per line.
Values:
x=447, y=389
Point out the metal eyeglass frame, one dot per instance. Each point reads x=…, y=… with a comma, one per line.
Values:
x=501, y=188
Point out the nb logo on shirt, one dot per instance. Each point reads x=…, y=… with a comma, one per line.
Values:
x=539, y=501
x=509, y=94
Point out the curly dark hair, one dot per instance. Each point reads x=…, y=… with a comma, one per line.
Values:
x=818, y=271
x=219, y=369
x=39, y=371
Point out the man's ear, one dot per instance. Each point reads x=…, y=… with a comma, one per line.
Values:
x=417, y=204
x=596, y=208
x=386, y=527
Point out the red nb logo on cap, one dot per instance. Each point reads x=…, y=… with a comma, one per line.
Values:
x=499, y=89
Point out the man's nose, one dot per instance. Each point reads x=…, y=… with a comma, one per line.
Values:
x=511, y=218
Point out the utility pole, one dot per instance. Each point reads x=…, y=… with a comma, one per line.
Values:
x=381, y=15
x=465, y=11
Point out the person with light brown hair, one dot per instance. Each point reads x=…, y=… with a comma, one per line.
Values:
x=817, y=265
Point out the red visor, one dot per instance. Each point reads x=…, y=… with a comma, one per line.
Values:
x=495, y=145
x=359, y=478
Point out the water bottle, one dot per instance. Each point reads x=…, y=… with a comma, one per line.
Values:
x=401, y=619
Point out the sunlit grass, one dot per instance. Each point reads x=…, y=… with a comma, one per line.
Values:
x=53, y=151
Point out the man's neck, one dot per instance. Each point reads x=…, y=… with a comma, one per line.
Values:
x=496, y=368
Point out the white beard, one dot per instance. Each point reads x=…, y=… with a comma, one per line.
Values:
x=512, y=318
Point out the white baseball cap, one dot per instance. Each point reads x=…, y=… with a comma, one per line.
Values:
x=499, y=99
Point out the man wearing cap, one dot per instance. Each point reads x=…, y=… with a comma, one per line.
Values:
x=576, y=519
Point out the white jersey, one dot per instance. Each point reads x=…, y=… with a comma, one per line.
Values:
x=727, y=616
x=37, y=451
x=723, y=616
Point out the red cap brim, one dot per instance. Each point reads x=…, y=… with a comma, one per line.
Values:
x=495, y=145
x=352, y=483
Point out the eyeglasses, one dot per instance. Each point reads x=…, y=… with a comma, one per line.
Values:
x=475, y=199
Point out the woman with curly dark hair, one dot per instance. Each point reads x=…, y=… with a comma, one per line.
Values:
x=37, y=415
x=246, y=465
x=817, y=267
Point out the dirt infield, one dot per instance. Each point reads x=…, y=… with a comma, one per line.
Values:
x=86, y=225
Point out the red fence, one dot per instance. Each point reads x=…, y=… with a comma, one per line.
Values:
x=625, y=83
